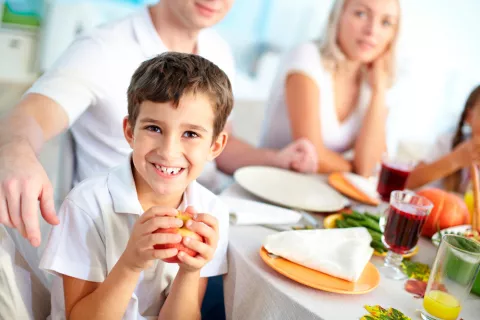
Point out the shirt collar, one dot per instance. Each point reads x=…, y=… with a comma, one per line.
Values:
x=150, y=42
x=121, y=185
x=146, y=34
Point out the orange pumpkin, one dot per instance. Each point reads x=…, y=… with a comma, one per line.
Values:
x=448, y=210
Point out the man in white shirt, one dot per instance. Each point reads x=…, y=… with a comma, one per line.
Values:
x=86, y=91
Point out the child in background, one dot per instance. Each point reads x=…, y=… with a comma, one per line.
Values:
x=449, y=161
x=102, y=252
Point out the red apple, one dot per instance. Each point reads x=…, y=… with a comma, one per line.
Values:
x=184, y=232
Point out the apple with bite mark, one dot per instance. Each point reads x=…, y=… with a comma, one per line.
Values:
x=184, y=232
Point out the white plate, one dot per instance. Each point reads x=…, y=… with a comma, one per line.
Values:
x=290, y=189
x=248, y=212
x=436, y=237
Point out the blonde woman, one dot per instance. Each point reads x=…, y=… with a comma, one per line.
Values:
x=333, y=93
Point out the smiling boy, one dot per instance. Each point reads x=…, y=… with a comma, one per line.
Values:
x=102, y=250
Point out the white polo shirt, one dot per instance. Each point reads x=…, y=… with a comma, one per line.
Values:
x=90, y=82
x=96, y=221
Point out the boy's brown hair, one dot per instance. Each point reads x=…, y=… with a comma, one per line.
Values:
x=169, y=76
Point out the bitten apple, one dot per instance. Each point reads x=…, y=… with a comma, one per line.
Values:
x=184, y=232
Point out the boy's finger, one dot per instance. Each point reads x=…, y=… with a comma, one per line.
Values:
x=201, y=248
x=150, y=240
x=197, y=262
x=156, y=222
x=192, y=210
x=157, y=212
x=208, y=219
x=203, y=230
x=152, y=254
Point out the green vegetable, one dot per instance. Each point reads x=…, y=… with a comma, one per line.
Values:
x=355, y=220
x=357, y=216
x=372, y=216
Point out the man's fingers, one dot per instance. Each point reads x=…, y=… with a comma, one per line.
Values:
x=47, y=205
x=29, y=207
x=4, y=216
x=12, y=192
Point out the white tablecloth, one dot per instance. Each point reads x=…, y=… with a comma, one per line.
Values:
x=255, y=291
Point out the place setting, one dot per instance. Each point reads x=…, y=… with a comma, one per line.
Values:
x=330, y=228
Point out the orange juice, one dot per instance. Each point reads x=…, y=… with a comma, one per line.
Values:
x=468, y=198
x=441, y=305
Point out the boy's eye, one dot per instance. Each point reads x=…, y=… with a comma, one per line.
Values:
x=190, y=134
x=153, y=128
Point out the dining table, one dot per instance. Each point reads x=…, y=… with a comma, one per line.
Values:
x=253, y=290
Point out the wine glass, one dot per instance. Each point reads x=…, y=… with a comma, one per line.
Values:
x=402, y=225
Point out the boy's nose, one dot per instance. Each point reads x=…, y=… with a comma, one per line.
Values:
x=169, y=147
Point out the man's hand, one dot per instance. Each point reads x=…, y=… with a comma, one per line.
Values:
x=300, y=156
x=23, y=183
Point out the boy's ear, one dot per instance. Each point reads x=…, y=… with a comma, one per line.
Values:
x=218, y=145
x=128, y=131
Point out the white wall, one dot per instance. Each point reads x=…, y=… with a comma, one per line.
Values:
x=438, y=56
x=439, y=52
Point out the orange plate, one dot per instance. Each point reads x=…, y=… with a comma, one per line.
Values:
x=329, y=223
x=338, y=181
x=368, y=281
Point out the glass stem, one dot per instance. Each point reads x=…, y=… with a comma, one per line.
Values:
x=393, y=260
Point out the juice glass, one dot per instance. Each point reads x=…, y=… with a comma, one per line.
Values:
x=453, y=273
x=393, y=176
x=402, y=226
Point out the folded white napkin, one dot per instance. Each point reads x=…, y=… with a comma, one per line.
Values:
x=363, y=184
x=342, y=253
x=248, y=212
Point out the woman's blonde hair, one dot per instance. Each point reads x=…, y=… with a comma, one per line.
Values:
x=331, y=52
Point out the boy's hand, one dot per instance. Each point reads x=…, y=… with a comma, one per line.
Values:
x=206, y=226
x=140, y=253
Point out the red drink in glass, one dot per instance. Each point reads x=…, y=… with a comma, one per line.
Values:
x=392, y=177
x=403, y=227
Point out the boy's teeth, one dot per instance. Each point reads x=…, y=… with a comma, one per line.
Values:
x=166, y=170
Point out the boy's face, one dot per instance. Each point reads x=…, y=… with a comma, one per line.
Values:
x=171, y=145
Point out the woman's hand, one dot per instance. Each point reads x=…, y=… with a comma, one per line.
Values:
x=467, y=153
x=378, y=76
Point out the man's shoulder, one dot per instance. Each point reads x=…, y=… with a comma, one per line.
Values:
x=117, y=32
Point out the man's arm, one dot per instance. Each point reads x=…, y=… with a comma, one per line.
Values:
x=23, y=181
x=300, y=155
x=239, y=154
